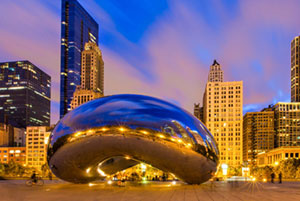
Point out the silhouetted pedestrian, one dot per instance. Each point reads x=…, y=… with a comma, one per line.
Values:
x=50, y=176
x=272, y=177
x=280, y=177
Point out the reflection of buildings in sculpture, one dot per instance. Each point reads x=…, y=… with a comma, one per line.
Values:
x=223, y=110
x=16, y=154
x=11, y=136
x=295, y=69
x=92, y=76
x=258, y=134
x=118, y=138
x=183, y=131
x=274, y=156
x=36, y=146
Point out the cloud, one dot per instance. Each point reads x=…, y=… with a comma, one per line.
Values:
x=171, y=58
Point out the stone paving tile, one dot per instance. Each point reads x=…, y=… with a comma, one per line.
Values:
x=157, y=191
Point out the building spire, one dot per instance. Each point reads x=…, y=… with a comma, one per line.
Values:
x=215, y=72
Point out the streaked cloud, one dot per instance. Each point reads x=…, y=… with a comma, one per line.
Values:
x=169, y=54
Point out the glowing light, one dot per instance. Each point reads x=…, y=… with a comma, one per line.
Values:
x=179, y=140
x=253, y=179
x=101, y=172
x=161, y=136
x=172, y=139
x=109, y=182
x=104, y=129
x=127, y=157
x=122, y=129
x=174, y=182
x=189, y=145
x=91, y=184
x=144, y=132
x=88, y=170
x=276, y=163
x=144, y=179
x=143, y=166
x=264, y=180
x=224, y=169
x=77, y=134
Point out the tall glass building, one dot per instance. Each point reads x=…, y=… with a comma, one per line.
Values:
x=24, y=95
x=77, y=28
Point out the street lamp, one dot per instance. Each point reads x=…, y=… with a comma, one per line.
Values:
x=224, y=167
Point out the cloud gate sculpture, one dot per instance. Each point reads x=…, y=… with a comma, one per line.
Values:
x=113, y=133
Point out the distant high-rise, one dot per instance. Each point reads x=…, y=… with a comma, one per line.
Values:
x=24, y=95
x=77, y=28
x=295, y=70
x=198, y=111
x=92, y=76
x=215, y=73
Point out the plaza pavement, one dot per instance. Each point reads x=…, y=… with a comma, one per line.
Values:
x=61, y=191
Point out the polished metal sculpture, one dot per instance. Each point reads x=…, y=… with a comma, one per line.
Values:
x=113, y=133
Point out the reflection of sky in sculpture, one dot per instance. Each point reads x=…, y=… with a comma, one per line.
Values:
x=133, y=111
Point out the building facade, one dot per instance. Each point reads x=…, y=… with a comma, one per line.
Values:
x=24, y=94
x=258, y=134
x=295, y=70
x=82, y=96
x=223, y=116
x=77, y=28
x=36, y=146
x=287, y=124
x=16, y=154
x=274, y=156
x=215, y=73
x=11, y=136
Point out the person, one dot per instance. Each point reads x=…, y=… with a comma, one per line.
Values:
x=280, y=177
x=50, y=176
x=272, y=177
x=33, y=177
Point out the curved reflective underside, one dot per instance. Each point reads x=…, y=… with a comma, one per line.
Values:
x=113, y=133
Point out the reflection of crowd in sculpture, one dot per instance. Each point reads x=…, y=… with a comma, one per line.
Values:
x=136, y=174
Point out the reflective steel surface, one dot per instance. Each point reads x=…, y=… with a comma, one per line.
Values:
x=112, y=133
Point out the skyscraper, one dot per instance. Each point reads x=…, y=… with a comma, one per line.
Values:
x=92, y=75
x=223, y=115
x=77, y=28
x=215, y=72
x=24, y=95
x=92, y=68
x=295, y=70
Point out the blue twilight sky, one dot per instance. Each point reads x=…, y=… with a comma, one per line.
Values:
x=164, y=48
